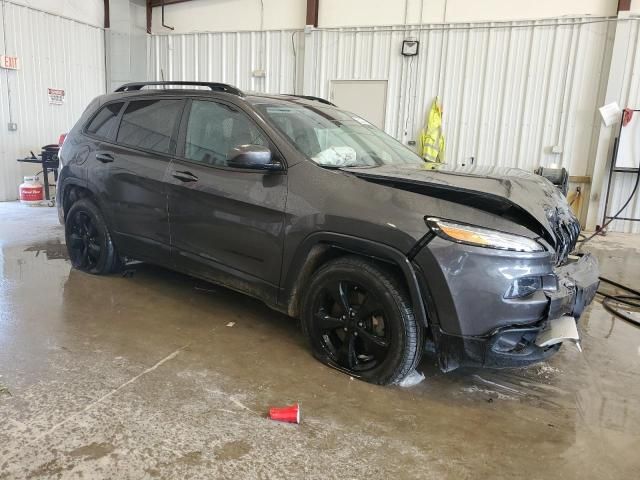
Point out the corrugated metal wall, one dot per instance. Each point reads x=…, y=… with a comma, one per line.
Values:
x=622, y=183
x=511, y=91
x=229, y=57
x=54, y=52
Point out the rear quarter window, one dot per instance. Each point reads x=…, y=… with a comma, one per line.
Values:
x=103, y=123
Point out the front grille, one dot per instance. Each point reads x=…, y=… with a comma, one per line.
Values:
x=567, y=230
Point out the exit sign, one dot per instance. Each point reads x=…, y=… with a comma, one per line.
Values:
x=9, y=62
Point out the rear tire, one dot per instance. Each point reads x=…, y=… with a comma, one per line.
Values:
x=89, y=241
x=358, y=318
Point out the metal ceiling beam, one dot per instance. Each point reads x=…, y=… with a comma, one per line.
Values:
x=312, y=12
x=149, y=15
x=107, y=19
x=624, y=5
x=158, y=3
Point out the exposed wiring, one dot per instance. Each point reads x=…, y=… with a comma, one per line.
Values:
x=567, y=91
x=576, y=196
x=4, y=26
x=608, y=222
x=262, y=36
x=493, y=26
x=613, y=303
x=162, y=14
x=261, y=15
x=4, y=45
x=406, y=122
x=295, y=62
x=437, y=27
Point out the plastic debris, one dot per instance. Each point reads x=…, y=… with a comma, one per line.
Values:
x=289, y=414
x=231, y=324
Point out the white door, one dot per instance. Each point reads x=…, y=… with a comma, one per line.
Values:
x=365, y=98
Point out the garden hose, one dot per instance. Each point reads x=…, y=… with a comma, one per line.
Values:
x=613, y=302
x=606, y=224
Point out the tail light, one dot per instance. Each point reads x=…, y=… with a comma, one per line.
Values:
x=61, y=139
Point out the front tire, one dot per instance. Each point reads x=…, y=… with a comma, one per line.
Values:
x=358, y=319
x=89, y=242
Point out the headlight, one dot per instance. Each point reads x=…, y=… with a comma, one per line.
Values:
x=482, y=237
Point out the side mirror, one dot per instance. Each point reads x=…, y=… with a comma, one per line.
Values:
x=252, y=157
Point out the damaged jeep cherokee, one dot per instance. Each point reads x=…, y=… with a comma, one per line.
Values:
x=325, y=218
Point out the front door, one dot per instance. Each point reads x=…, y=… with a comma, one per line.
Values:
x=226, y=224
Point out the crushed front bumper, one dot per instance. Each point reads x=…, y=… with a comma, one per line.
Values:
x=511, y=342
x=577, y=285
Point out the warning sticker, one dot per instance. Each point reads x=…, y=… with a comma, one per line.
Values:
x=56, y=96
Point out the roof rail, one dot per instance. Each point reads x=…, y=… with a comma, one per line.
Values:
x=216, y=87
x=317, y=99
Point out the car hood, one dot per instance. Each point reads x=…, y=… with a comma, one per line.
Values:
x=524, y=197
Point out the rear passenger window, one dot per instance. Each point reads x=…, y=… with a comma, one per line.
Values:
x=150, y=124
x=103, y=123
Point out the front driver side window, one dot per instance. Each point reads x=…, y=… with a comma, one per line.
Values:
x=214, y=129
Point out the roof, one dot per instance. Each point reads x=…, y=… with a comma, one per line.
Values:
x=214, y=88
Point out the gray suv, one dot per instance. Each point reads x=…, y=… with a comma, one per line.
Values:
x=325, y=218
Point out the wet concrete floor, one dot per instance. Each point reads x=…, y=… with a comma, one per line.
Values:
x=112, y=377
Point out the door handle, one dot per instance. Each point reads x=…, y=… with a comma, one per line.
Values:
x=104, y=157
x=184, y=176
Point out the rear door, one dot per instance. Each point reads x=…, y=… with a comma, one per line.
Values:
x=226, y=223
x=135, y=186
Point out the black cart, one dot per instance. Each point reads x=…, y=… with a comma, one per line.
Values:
x=48, y=159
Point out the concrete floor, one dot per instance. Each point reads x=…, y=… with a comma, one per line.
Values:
x=112, y=377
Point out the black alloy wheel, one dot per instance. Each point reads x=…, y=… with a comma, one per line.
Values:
x=351, y=325
x=358, y=319
x=85, y=242
x=88, y=239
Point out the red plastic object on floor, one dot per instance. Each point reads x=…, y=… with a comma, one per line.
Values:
x=31, y=191
x=290, y=414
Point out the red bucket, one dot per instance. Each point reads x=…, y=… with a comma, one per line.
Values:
x=290, y=414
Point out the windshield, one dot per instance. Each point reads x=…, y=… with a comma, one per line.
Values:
x=333, y=138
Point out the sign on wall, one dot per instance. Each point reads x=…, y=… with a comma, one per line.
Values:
x=56, y=96
x=9, y=62
x=628, y=155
